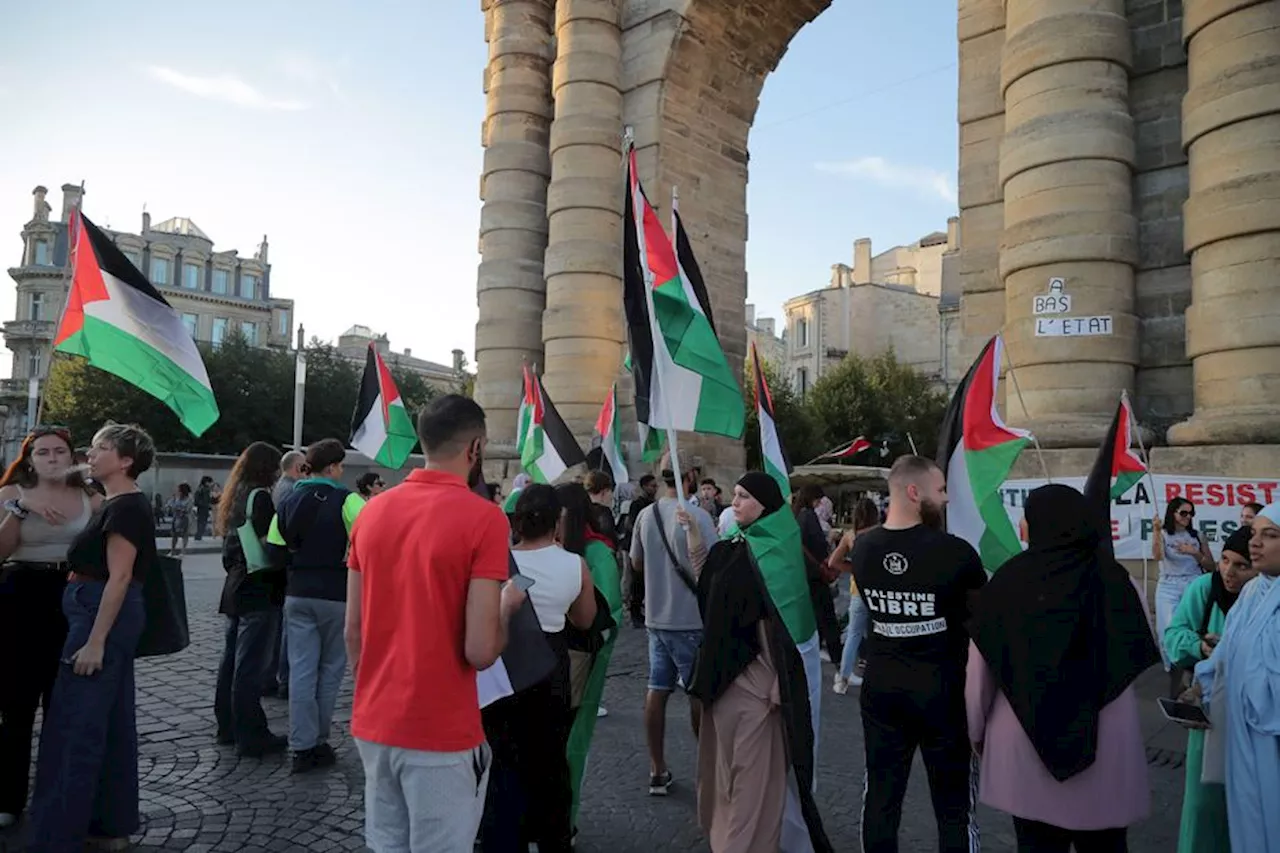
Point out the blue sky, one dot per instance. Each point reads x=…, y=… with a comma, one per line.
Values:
x=350, y=134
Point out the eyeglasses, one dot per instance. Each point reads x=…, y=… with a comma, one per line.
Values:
x=1185, y=512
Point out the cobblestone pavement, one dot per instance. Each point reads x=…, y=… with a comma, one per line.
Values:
x=200, y=798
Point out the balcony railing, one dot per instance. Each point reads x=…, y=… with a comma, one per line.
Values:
x=42, y=329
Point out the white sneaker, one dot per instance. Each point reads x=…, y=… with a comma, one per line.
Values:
x=855, y=681
x=840, y=685
x=825, y=656
x=601, y=711
x=7, y=820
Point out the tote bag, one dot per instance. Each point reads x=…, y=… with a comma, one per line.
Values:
x=255, y=556
x=164, y=600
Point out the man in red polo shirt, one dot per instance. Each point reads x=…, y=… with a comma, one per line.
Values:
x=428, y=606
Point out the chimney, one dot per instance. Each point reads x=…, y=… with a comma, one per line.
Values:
x=953, y=233
x=261, y=254
x=408, y=353
x=458, y=359
x=751, y=314
x=862, y=261
x=146, y=221
x=72, y=195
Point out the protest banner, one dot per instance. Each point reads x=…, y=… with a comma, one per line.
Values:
x=1217, y=499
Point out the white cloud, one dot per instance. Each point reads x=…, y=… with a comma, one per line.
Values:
x=226, y=88
x=929, y=182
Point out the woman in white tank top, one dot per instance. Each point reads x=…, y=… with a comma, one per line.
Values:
x=529, y=731
x=45, y=505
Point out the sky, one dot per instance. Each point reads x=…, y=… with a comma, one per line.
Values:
x=350, y=136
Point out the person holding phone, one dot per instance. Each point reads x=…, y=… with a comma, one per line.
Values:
x=1190, y=638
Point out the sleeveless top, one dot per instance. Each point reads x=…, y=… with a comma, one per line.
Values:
x=1176, y=564
x=42, y=542
x=557, y=580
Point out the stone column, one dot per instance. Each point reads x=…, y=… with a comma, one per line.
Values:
x=510, y=287
x=582, y=328
x=1231, y=222
x=1066, y=164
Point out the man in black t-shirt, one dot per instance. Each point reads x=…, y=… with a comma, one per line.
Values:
x=916, y=581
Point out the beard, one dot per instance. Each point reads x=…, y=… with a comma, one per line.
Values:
x=931, y=514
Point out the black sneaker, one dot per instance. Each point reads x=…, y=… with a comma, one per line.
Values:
x=225, y=739
x=303, y=761
x=270, y=745
x=325, y=756
x=660, y=784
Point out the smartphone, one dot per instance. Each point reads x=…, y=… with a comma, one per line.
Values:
x=522, y=582
x=1182, y=713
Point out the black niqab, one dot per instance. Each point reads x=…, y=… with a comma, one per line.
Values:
x=1063, y=630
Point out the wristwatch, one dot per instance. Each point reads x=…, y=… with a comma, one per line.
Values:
x=14, y=508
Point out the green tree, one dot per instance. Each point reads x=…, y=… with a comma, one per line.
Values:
x=333, y=384
x=797, y=430
x=878, y=398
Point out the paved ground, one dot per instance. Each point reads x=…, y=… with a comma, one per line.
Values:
x=200, y=798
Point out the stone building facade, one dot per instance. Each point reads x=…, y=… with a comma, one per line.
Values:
x=216, y=292
x=353, y=345
x=763, y=332
x=1121, y=150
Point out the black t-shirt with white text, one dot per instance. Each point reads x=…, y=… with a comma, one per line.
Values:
x=916, y=584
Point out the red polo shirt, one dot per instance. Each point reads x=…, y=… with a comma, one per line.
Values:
x=418, y=547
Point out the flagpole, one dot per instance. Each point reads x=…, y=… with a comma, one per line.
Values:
x=912, y=442
x=1013, y=377
x=1137, y=431
x=67, y=278
x=299, y=390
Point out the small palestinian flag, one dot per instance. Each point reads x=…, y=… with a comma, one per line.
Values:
x=121, y=324
x=976, y=451
x=849, y=450
x=549, y=448
x=772, y=456
x=381, y=427
x=683, y=379
x=610, y=440
x=525, y=414
x=1116, y=470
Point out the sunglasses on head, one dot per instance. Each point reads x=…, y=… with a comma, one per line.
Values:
x=52, y=429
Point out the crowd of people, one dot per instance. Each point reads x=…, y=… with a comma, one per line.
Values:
x=1017, y=688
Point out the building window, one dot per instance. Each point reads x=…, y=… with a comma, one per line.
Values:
x=249, y=331
x=802, y=381
x=219, y=331
x=159, y=271
x=248, y=286
x=135, y=259
x=191, y=275
x=33, y=364
x=190, y=321
x=283, y=327
x=220, y=278
x=41, y=253
x=802, y=332
x=36, y=306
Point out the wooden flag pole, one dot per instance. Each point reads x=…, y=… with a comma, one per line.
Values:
x=1013, y=378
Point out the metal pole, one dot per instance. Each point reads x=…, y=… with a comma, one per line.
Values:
x=1013, y=378
x=33, y=403
x=299, y=391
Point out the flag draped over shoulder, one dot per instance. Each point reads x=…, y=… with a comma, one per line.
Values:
x=549, y=448
x=976, y=451
x=683, y=380
x=610, y=440
x=121, y=324
x=381, y=427
x=774, y=540
x=1116, y=470
x=772, y=454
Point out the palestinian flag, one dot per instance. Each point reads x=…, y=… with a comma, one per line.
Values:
x=525, y=413
x=381, y=427
x=121, y=324
x=650, y=439
x=849, y=450
x=610, y=440
x=772, y=456
x=683, y=377
x=1116, y=470
x=549, y=448
x=976, y=451
x=689, y=269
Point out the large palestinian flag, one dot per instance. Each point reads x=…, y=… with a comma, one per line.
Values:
x=689, y=269
x=683, y=380
x=121, y=324
x=610, y=439
x=772, y=456
x=1116, y=470
x=549, y=448
x=381, y=427
x=976, y=451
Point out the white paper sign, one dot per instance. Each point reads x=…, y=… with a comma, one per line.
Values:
x=1052, y=303
x=1072, y=327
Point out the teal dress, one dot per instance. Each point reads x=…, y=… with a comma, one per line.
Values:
x=1204, y=806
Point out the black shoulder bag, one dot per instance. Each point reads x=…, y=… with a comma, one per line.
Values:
x=686, y=577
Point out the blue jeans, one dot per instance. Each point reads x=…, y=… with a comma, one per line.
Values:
x=672, y=655
x=246, y=659
x=87, y=772
x=317, y=660
x=1169, y=591
x=859, y=617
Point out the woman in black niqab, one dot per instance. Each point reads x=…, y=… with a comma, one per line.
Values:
x=1063, y=630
